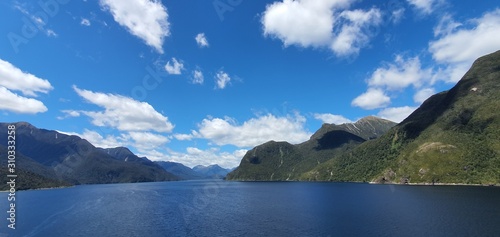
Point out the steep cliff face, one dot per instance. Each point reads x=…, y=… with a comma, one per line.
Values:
x=454, y=137
x=284, y=161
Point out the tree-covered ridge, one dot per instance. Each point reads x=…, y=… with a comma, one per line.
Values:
x=284, y=161
x=454, y=137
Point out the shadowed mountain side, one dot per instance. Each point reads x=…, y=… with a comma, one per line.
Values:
x=31, y=175
x=76, y=161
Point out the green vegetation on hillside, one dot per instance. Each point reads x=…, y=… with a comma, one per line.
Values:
x=283, y=161
x=454, y=137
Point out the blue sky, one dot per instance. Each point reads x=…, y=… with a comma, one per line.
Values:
x=201, y=82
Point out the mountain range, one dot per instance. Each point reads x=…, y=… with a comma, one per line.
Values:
x=48, y=158
x=284, y=161
x=453, y=137
x=197, y=172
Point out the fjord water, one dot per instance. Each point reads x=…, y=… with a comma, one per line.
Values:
x=219, y=208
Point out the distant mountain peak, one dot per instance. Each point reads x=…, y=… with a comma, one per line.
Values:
x=368, y=128
x=372, y=118
x=24, y=124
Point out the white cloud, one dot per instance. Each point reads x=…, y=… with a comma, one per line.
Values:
x=354, y=33
x=373, y=98
x=124, y=113
x=396, y=114
x=51, y=33
x=146, y=19
x=254, y=131
x=317, y=24
x=184, y=137
x=397, y=15
x=12, y=102
x=13, y=78
x=85, y=22
x=147, y=140
x=425, y=6
x=458, y=46
x=175, y=67
x=193, y=156
x=198, y=77
x=423, y=95
x=446, y=26
x=401, y=74
x=222, y=79
x=201, y=40
x=69, y=114
x=332, y=118
x=96, y=139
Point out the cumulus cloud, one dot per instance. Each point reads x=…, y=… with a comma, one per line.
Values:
x=146, y=19
x=461, y=43
x=373, y=98
x=147, y=140
x=446, y=25
x=222, y=79
x=184, y=137
x=201, y=40
x=396, y=114
x=69, y=114
x=354, y=33
x=198, y=77
x=124, y=113
x=14, y=79
x=396, y=77
x=174, y=67
x=332, y=118
x=12, y=102
x=400, y=74
x=320, y=24
x=96, y=139
x=193, y=156
x=423, y=95
x=226, y=131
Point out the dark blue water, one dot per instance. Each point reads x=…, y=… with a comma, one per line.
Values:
x=218, y=208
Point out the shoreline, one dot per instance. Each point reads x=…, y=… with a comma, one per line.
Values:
x=318, y=181
x=375, y=183
x=32, y=189
x=440, y=184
